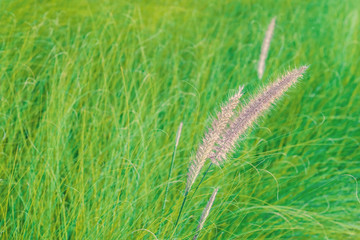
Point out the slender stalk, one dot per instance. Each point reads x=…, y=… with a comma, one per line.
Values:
x=202, y=179
x=178, y=133
x=172, y=164
x=179, y=214
x=182, y=206
x=187, y=193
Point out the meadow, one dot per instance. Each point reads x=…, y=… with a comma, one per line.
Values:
x=93, y=92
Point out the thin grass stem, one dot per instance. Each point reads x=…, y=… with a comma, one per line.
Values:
x=202, y=179
x=172, y=164
x=178, y=134
x=182, y=206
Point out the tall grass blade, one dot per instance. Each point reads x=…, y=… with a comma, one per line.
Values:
x=178, y=134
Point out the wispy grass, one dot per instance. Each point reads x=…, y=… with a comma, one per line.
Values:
x=92, y=96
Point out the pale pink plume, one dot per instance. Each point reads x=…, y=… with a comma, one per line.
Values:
x=211, y=137
x=265, y=48
x=252, y=111
x=206, y=212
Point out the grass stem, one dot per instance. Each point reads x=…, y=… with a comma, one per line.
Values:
x=172, y=164
x=202, y=179
x=178, y=133
x=182, y=206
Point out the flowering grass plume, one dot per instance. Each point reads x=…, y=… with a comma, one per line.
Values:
x=178, y=134
x=206, y=212
x=211, y=137
x=265, y=48
x=252, y=111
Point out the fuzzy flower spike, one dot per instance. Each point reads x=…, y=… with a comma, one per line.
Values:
x=207, y=146
x=252, y=111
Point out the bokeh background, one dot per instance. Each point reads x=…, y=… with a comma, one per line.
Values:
x=92, y=93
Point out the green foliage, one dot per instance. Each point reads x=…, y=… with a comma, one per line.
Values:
x=92, y=94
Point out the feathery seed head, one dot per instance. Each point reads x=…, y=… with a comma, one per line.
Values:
x=265, y=48
x=252, y=111
x=178, y=134
x=207, y=146
x=206, y=212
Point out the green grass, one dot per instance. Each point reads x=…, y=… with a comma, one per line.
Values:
x=92, y=94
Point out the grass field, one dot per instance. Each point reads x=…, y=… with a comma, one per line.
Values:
x=92, y=94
